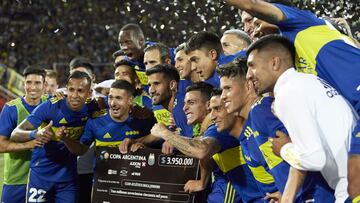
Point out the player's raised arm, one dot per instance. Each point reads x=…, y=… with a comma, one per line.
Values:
x=260, y=9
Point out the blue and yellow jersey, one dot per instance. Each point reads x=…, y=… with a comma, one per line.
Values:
x=53, y=161
x=163, y=115
x=255, y=160
x=264, y=124
x=231, y=162
x=323, y=51
x=107, y=132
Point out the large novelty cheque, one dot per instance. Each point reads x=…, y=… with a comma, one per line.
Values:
x=144, y=176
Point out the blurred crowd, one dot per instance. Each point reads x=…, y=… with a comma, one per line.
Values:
x=51, y=33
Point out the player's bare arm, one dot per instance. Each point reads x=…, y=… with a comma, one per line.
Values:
x=293, y=184
x=7, y=146
x=260, y=9
x=25, y=131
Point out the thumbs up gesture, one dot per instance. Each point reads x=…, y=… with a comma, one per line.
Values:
x=45, y=134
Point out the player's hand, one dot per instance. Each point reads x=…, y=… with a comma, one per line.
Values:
x=279, y=141
x=172, y=124
x=159, y=130
x=59, y=94
x=274, y=197
x=34, y=143
x=124, y=146
x=63, y=133
x=45, y=134
x=194, y=186
x=344, y=23
x=136, y=146
x=167, y=148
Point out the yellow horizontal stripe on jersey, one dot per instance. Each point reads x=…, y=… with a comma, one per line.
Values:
x=261, y=175
x=307, y=46
x=229, y=159
x=271, y=159
x=74, y=132
x=356, y=199
x=100, y=143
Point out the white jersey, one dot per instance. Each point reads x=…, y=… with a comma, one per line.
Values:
x=319, y=122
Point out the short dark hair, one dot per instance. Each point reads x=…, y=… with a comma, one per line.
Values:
x=125, y=63
x=163, y=50
x=283, y=2
x=81, y=62
x=207, y=40
x=135, y=28
x=79, y=75
x=236, y=68
x=216, y=92
x=118, y=53
x=168, y=70
x=273, y=39
x=35, y=70
x=204, y=88
x=124, y=85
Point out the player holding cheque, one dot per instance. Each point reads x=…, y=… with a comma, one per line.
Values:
x=114, y=125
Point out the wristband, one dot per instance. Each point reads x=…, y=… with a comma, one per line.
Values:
x=32, y=134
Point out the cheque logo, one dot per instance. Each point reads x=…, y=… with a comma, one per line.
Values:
x=136, y=174
x=104, y=155
x=123, y=172
x=151, y=159
x=135, y=164
x=112, y=172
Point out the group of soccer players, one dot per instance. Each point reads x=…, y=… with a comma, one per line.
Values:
x=271, y=113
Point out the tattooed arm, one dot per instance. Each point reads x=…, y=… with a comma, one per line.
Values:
x=199, y=147
x=260, y=9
